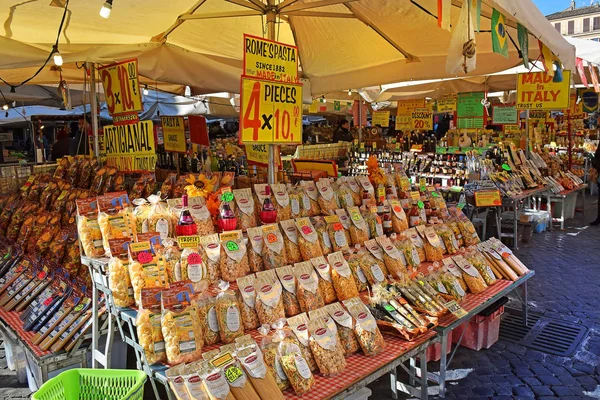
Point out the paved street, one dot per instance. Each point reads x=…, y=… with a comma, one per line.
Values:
x=565, y=286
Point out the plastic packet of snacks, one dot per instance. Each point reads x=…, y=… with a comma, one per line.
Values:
x=207, y=315
x=345, y=327
x=282, y=202
x=89, y=229
x=290, y=239
x=191, y=265
x=365, y=326
x=255, y=240
x=211, y=254
x=148, y=326
x=399, y=219
x=289, y=294
x=434, y=247
x=248, y=301
x=393, y=259
x=309, y=294
x=269, y=297
x=308, y=240
x=339, y=237
x=325, y=284
x=233, y=261
x=146, y=269
x=321, y=228
x=299, y=326
x=354, y=262
x=273, y=247
x=326, y=346
x=359, y=231
x=244, y=211
x=417, y=242
x=310, y=199
x=341, y=277
x=374, y=267
x=181, y=329
x=229, y=316
x=327, y=199
x=115, y=218
x=118, y=273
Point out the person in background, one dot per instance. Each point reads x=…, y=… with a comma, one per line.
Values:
x=61, y=147
x=594, y=178
x=342, y=134
x=79, y=138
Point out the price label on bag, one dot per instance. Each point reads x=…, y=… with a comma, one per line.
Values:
x=456, y=309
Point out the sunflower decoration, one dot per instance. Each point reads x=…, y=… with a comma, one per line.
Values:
x=376, y=175
x=199, y=186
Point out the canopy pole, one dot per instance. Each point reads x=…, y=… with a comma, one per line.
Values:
x=271, y=21
x=360, y=121
x=528, y=134
x=94, y=107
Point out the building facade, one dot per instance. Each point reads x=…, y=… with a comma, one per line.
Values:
x=582, y=22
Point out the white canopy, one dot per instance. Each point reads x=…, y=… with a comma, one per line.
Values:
x=342, y=44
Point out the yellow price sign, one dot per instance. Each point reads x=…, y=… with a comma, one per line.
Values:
x=537, y=91
x=122, y=91
x=404, y=122
x=270, y=112
x=446, y=105
x=381, y=118
x=408, y=106
x=130, y=148
x=174, y=134
x=267, y=59
x=257, y=154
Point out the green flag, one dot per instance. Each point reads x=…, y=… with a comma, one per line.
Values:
x=499, y=35
x=524, y=43
x=336, y=106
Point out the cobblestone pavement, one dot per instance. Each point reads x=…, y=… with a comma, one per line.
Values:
x=566, y=285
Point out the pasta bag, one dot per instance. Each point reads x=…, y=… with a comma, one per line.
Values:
x=245, y=210
x=296, y=367
x=468, y=231
x=341, y=276
x=282, y=202
x=309, y=295
x=345, y=327
x=447, y=236
x=159, y=218
x=359, y=231
x=296, y=194
x=409, y=251
x=181, y=329
x=374, y=223
x=146, y=269
x=417, y=242
x=252, y=360
x=255, y=259
x=471, y=275
x=234, y=261
x=368, y=334
x=339, y=237
x=207, y=315
x=228, y=314
x=354, y=262
x=326, y=346
x=175, y=376
x=211, y=254
x=290, y=240
x=299, y=326
x=327, y=200
x=289, y=293
x=399, y=219
x=114, y=218
x=321, y=228
x=308, y=240
x=366, y=186
x=451, y=267
x=355, y=190
x=88, y=228
x=172, y=255
x=434, y=247
x=374, y=267
x=215, y=382
x=269, y=346
x=248, y=301
x=241, y=388
x=310, y=203
x=148, y=326
x=274, y=254
x=118, y=273
x=191, y=265
x=393, y=259
x=324, y=276
x=269, y=300
x=192, y=381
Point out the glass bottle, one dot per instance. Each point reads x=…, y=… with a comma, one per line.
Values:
x=185, y=225
x=387, y=221
x=227, y=219
x=268, y=214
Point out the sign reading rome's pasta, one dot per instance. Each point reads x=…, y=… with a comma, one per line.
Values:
x=538, y=91
x=174, y=134
x=122, y=91
x=266, y=59
x=130, y=148
x=271, y=112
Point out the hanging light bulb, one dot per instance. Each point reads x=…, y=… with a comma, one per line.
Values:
x=5, y=107
x=58, y=60
x=146, y=90
x=349, y=92
x=106, y=9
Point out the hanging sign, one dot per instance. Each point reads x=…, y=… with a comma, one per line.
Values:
x=271, y=112
x=446, y=105
x=269, y=60
x=257, y=154
x=122, y=91
x=511, y=129
x=381, y=118
x=130, y=148
x=198, y=130
x=355, y=114
x=404, y=122
x=505, y=115
x=488, y=198
x=470, y=110
x=422, y=119
x=407, y=106
x=589, y=100
x=538, y=117
x=537, y=91
x=174, y=134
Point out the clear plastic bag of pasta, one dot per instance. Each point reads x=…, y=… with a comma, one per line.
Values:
x=207, y=316
x=355, y=190
x=467, y=229
x=181, y=329
x=478, y=260
x=89, y=229
x=341, y=276
x=247, y=301
x=289, y=293
x=236, y=377
x=282, y=202
x=115, y=218
x=148, y=326
x=325, y=284
x=233, y=261
x=252, y=360
x=452, y=286
x=245, y=210
x=296, y=197
x=255, y=248
x=359, y=231
x=374, y=223
x=338, y=236
x=290, y=240
x=434, y=248
x=354, y=262
x=308, y=239
x=171, y=255
x=296, y=368
x=215, y=382
x=471, y=275
x=345, y=198
x=392, y=258
x=408, y=249
x=269, y=299
x=309, y=295
x=229, y=316
x=324, y=240
x=299, y=326
x=452, y=224
x=274, y=255
x=159, y=218
x=326, y=347
x=345, y=326
x=447, y=236
x=417, y=243
x=372, y=263
x=399, y=218
x=310, y=202
x=365, y=326
x=269, y=345
x=118, y=273
x=327, y=199
x=210, y=246
x=146, y=269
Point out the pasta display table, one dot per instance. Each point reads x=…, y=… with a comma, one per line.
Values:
x=517, y=203
x=565, y=198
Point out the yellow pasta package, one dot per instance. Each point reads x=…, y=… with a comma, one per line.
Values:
x=207, y=315
x=417, y=242
x=310, y=203
x=282, y=202
x=255, y=259
x=88, y=228
x=375, y=271
x=118, y=273
x=359, y=231
x=434, y=247
x=325, y=284
x=341, y=276
x=368, y=334
x=345, y=327
x=327, y=199
x=355, y=190
x=399, y=218
x=309, y=294
x=115, y=218
x=274, y=254
x=289, y=294
x=146, y=269
x=234, y=261
x=339, y=237
x=392, y=257
x=248, y=301
x=471, y=275
x=211, y=254
x=229, y=316
x=159, y=218
x=252, y=360
x=308, y=240
x=290, y=240
x=269, y=300
x=245, y=211
x=299, y=326
x=148, y=326
x=326, y=346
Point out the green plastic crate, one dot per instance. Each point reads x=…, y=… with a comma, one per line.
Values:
x=94, y=384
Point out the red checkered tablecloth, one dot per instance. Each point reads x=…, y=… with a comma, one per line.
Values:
x=11, y=319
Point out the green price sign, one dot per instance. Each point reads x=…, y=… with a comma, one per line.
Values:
x=421, y=204
x=506, y=167
x=232, y=246
x=227, y=196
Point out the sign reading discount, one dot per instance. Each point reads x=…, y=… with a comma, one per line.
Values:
x=130, y=148
x=266, y=59
x=537, y=91
x=122, y=91
x=271, y=112
x=505, y=115
x=381, y=118
x=174, y=134
x=422, y=118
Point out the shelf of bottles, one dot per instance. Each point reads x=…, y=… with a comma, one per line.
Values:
x=199, y=162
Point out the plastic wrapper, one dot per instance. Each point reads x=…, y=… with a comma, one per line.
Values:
x=207, y=316
x=146, y=269
x=58, y=246
x=274, y=255
x=211, y=254
x=245, y=209
x=338, y=236
x=71, y=262
x=393, y=259
x=374, y=223
x=471, y=275
x=451, y=267
x=399, y=218
x=432, y=244
x=359, y=231
x=408, y=249
x=289, y=293
x=45, y=224
x=108, y=183
x=290, y=240
x=299, y=326
x=269, y=299
x=450, y=286
x=282, y=202
x=344, y=195
x=138, y=188
x=327, y=199
x=368, y=334
x=229, y=316
x=466, y=227
x=168, y=185
x=215, y=383
x=341, y=277
x=457, y=234
x=296, y=368
x=366, y=186
x=114, y=218
x=252, y=360
x=310, y=202
x=354, y=262
x=13, y=229
x=270, y=348
x=140, y=215
x=118, y=274
x=326, y=347
x=191, y=264
x=446, y=234
x=324, y=241
x=181, y=329
x=234, y=261
x=324, y=275
x=373, y=265
x=148, y=326
x=89, y=229
x=345, y=327
x=192, y=383
x=159, y=218
x=308, y=239
x=478, y=260
x=255, y=247
x=236, y=377
x=417, y=242
x=199, y=212
x=171, y=255
x=45, y=239
x=309, y=294
x=296, y=196
x=248, y=302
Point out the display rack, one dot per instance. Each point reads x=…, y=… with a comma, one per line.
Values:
x=564, y=198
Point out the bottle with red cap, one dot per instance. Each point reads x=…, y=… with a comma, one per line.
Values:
x=186, y=226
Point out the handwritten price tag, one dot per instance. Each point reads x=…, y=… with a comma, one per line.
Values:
x=456, y=309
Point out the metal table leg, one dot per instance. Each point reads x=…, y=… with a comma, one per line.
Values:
x=413, y=368
x=498, y=211
x=516, y=206
x=562, y=213
x=424, y=394
x=394, y=383
x=524, y=304
x=443, y=365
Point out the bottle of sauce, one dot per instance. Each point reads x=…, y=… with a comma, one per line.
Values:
x=268, y=214
x=185, y=225
x=414, y=215
x=387, y=221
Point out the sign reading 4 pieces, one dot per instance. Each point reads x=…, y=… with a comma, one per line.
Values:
x=271, y=100
x=122, y=91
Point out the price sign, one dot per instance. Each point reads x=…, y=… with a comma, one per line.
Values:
x=122, y=91
x=174, y=134
x=455, y=309
x=446, y=105
x=538, y=91
x=488, y=198
x=270, y=112
x=408, y=106
x=381, y=118
x=505, y=115
x=422, y=118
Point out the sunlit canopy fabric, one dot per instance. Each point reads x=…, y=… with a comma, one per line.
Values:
x=198, y=43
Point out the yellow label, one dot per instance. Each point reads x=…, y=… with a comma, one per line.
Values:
x=174, y=134
x=538, y=91
x=121, y=87
x=188, y=242
x=374, y=145
x=407, y=106
x=373, y=209
x=381, y=118
x=257, y=153
x=415, y=195
x=422, y=118
x=300, y=222
x=221, y=360
x=141, y=246
x=234, y=235
x=332, y=219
